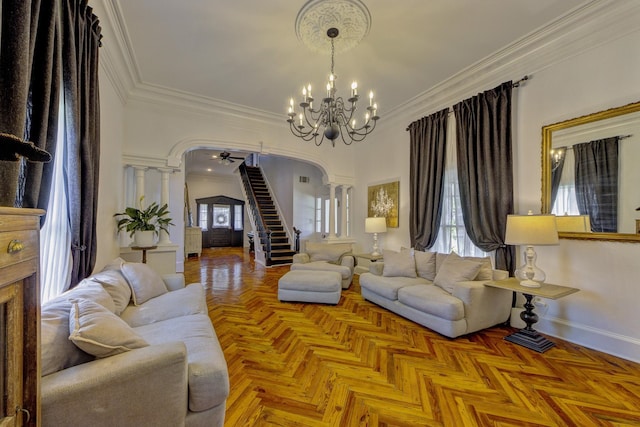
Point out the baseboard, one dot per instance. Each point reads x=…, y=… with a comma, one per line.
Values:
x=594, y=338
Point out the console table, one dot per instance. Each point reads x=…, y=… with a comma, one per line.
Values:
x=529, y=337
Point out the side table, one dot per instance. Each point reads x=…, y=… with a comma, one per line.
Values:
x=529, y=337
x=363, y=260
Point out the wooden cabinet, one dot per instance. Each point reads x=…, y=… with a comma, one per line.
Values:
x=19, y=317
x=192, y=241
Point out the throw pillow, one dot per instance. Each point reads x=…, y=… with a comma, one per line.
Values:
x=486, y=269
x=425, y=264
x=144, y=282
x=455, y=269
x=116, y=285
x=99, y=332
x=399, y=264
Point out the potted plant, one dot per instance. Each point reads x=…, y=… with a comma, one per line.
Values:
x=144, y=224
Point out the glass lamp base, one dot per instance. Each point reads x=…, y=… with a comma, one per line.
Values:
x=530, y=283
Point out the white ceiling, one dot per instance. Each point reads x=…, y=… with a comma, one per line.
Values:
x=246, y=51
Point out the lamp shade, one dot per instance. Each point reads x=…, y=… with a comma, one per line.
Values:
x=533, y=230
x=573, y=223
x=375, y=225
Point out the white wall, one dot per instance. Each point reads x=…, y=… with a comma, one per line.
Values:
x=606, y=74
x=111, y=178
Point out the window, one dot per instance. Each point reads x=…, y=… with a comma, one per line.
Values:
x=221, y=215
x=327, y=210
x=566, y=202
x=318, y=215
x=348, y=213
x=237, y=217
x=453, y=235
x=203, y=212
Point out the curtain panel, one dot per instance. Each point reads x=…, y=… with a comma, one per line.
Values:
x=29, y=84
x=596, y=174
x=428, y=138
x=485, y=170
x=81, y=41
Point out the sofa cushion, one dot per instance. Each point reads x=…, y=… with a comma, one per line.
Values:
x=432, y=300
x=387, y=287
x=399, y=264
x=116, y=285
x=425, y=264
x=207, y=369
x=181, y=302
x=145, y=283
x=455, y=269
x=98, y=331
x=327, y=252
x=57, y=351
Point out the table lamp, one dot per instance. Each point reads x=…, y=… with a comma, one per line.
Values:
x=375, y=225
x=531, y=230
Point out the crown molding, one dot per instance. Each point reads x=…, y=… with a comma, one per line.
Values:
x=593, y=24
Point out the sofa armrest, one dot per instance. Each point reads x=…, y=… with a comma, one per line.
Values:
x=376, y=268
x=146, y=386
x=348, y=261
x=301, y=258
x=484, y=306
x=500, y=274
x=174, y=281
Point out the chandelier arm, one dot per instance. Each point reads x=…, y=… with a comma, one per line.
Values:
x=305, y=136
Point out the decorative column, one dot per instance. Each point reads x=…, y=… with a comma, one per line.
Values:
x=140, y=171
x=344, y=212
x=164, y=199
x=332, y=211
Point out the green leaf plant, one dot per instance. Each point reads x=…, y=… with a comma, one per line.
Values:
x=152, y=218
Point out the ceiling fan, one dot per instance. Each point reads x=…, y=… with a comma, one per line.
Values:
x=226, y=158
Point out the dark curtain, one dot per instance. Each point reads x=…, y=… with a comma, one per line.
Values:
x=428, y=137
x=557, y=165
x=29, y=89
x=597, y=183
x=485, y=170
x=81, y=41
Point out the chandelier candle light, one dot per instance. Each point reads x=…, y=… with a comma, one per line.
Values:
x=347, y=22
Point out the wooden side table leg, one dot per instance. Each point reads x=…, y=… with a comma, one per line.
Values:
x=529, y=337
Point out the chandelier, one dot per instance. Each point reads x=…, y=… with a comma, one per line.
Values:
x=332, y=117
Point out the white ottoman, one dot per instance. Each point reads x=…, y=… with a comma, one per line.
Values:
x=310, y=286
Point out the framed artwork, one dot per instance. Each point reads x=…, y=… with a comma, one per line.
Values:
x=383, y=200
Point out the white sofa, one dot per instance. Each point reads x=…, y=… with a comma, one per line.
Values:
x=129, y=348
x=444, y=292
x=327, y=257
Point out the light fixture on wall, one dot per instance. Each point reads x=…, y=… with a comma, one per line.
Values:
x=345, y=21
x=531, y=230
x=375, y=225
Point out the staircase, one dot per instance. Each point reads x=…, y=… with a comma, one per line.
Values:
x=272, y=240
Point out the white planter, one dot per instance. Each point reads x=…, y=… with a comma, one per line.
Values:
x=144, y=239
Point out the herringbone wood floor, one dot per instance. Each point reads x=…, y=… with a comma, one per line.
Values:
x=356, y=364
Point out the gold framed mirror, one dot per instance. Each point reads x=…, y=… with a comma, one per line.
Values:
x=622, y=122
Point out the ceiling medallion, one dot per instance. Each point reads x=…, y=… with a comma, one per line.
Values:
x=321, y=24
x=351, y=17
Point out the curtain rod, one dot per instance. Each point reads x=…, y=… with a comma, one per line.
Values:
x=570, y=147
x=515, y=84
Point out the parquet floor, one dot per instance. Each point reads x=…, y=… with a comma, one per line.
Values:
x=356, y=364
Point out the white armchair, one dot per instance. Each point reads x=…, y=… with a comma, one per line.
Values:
x=327, y=257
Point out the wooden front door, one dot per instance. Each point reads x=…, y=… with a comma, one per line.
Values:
x=222, y=221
